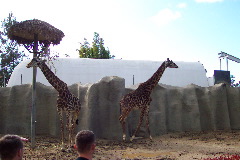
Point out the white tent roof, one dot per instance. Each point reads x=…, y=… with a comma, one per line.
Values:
x=80, y=70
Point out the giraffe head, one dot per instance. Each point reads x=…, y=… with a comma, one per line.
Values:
x=35, y=62
x=170, y=64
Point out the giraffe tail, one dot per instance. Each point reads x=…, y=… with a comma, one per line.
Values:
x=77, y=122
x=120, y=111
x=120, y=118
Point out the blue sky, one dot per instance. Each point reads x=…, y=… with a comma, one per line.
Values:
x=187, y=30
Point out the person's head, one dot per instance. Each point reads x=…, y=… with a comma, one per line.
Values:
x=85, y=141
x=11, y=147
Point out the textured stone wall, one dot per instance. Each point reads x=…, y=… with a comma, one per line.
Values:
x=173, y=109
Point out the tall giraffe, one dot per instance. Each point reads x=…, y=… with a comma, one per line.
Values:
x=140, y=99
x=66, y=102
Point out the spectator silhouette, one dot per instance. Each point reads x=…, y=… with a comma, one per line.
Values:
x=85, y=144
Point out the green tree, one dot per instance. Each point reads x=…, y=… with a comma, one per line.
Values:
x=10, y=54
x=85, y=51
x=96, y=50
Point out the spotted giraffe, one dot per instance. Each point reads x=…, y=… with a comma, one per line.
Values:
x=140, y=99
x=67, y=103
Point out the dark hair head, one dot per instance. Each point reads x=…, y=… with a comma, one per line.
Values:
x=9, y=146
x=84, y=140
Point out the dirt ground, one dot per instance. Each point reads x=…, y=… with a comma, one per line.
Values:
x=187, y=145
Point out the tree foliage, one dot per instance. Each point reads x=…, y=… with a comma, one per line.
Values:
x=96, y=50
x=233, y=84
x=10, y=53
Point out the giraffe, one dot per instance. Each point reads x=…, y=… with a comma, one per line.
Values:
x=140, y=99
x=67, y=103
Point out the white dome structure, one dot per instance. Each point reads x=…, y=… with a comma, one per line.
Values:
x=81, y=70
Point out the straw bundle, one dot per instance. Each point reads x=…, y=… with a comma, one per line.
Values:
x=24, y=32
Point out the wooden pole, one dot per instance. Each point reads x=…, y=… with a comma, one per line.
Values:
x=33, y=110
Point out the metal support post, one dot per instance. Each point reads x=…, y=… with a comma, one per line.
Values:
x=33, y=110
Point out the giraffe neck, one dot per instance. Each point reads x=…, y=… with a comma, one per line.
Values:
x=58, y=84
x=153, y=81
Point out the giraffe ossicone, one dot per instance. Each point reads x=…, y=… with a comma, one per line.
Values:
x=141, y=99
x=67, y=103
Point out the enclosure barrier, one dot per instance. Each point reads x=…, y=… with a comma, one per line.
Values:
x=173, y=109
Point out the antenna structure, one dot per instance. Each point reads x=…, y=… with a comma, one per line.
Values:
x=223, y=55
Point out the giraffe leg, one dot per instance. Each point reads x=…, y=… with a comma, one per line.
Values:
x=73, y=125
x=123, y=123
x=72, y=117
x=147, y=122
x=60, y=112
x=122, y=119
x=139, y=124
x=124, y=129
x=69, y=126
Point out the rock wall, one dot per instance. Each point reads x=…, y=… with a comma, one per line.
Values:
x=173, y=109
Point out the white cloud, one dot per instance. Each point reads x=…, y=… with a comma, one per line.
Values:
x=182, y=5
x=165, y=16
x=208, y=1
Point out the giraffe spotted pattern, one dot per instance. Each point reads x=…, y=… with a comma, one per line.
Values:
x=140, y=99
x=67, y=103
